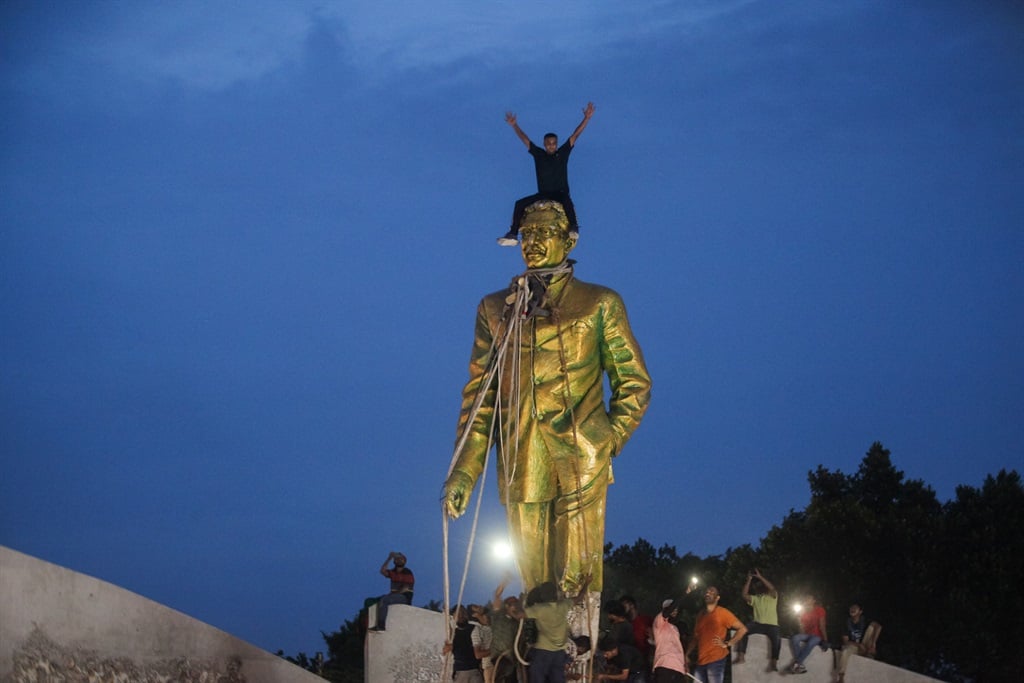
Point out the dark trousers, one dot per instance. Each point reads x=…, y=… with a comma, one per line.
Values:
x=388, y=600
x=764, y=629
x=663, y=675
x=506, y=669
x=547, y=666
x=560, y=197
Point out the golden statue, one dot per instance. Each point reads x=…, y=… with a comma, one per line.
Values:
x=542, y=350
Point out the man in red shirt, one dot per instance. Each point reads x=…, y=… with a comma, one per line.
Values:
x=711, y=638
x=402, y=583
x=641, y=624
x=812, y=632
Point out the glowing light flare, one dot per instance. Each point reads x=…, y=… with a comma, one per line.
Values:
x=501, y=550
x=798, y=608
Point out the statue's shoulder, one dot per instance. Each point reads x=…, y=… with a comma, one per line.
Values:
x=494, y=303
x=495, y=298
x=589, y=290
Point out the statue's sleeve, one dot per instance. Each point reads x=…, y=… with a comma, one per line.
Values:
x=470, y=458
x=628, y=379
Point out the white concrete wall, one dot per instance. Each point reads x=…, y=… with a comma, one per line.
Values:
x=59, y=624
x=409, y=650
x=820, y=667
x=56, y=624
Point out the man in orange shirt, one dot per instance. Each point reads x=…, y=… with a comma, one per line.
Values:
x=711, y=638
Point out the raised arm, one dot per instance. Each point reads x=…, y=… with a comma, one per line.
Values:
x=384, y=567
x=510, y=119
x=767, y=584
x=588, y=111
x=745, y=593
x=581, y=596
x=499, y=592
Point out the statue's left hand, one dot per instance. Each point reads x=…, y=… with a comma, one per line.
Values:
x=456, y=494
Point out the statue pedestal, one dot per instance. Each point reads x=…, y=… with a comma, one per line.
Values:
x=409, y=649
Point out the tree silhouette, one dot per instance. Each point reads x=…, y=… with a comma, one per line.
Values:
x=945, y=581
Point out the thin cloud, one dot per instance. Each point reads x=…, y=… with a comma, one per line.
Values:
x=213, y=46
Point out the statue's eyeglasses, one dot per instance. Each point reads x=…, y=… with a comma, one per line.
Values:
x=541, y=233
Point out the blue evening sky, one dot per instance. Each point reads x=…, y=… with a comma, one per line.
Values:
x=242, y=243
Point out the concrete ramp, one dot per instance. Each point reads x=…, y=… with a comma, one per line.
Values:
x=820, y=667
x=56, y=624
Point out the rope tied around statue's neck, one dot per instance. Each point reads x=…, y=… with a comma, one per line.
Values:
x=527, y=300
x=527, y=297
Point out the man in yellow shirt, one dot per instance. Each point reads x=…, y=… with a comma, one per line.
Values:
x=765, y=601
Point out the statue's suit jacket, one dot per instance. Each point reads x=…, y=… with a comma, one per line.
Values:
x=541, y=456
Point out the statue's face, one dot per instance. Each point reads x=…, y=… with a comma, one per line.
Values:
x=543, y=245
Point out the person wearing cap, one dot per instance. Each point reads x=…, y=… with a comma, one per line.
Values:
x=669, y=657
x=711, y=638
x=553, y=341
x=552, y=168
x=402, y=584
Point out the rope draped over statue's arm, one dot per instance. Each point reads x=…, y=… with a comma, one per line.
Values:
x=476, y=424
x=491, y=353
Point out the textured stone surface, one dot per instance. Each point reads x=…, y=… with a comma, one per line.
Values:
x=57, y=624
x=409, y=650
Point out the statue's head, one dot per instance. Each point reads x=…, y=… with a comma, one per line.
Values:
x=544, y=235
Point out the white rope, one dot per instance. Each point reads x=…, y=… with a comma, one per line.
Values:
x=509, y=332
x=515, y=644
x=496, y=353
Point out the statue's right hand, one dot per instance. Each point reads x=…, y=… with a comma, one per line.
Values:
x=456, y=494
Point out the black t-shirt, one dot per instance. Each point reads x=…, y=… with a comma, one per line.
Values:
x=552, y=169
x=622, y=632
x=463, y=654
x=628, y=659
x=855, y=630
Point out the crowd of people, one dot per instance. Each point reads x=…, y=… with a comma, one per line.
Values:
x=513, y=639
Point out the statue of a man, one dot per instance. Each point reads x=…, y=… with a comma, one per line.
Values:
x=542, y=350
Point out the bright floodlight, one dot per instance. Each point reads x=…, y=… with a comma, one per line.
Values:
x=501, y=550
x=798, y=608
x=693, y=580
